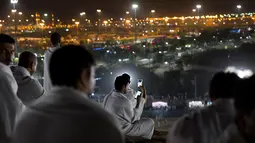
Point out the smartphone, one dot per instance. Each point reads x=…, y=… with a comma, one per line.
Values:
x=138, y=93
x=140, y=82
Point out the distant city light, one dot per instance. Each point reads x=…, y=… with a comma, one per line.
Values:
x=242, y=73
x=194, y=10
x=198, y=6
x=14, y=1
x=99, y=10
x=67, y=30
x=159, y=104
x=153, y=11
x=127, y=12
x=82, y=13
x=20, y=13
x=45, y=14
x=135, y=6
x=239, y=6
x=14, y=10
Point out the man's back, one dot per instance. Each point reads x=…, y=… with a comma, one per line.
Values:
x=204, y=126
x=29, y=89
x=66, y=116
x=46, y=81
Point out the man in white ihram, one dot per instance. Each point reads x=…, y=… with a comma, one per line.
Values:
x=55, y=40
x=10, y=105
x=65, y=114
x=129, y=117
x=207, y=125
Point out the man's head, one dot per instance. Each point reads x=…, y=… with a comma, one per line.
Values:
x=28, y=60
x=223, y=85
x=245, y=107
x=7, y=49
x=121, y=84
x=127, y=76
x=55, y=39
x=73, y=66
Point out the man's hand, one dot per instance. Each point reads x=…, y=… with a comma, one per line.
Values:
x=143, y=90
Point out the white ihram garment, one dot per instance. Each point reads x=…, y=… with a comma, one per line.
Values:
x=232, y=135
x=10, y=105
x=205, y=125
x=66, y=115
x=131, y=96
x=129, y=117
x=47, y=81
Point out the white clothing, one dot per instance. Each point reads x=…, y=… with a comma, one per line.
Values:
x=66, y=115
x=131, y=96
x=29, y=88
x=232, y=135
x=205, y=125
x=47, y=81
x=129, y=117
x=10, y=105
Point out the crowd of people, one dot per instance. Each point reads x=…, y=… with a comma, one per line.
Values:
x=61, y=112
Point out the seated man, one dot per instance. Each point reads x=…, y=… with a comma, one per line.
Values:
x=128, y=116
x=65, y=114
x=29, y=89
x=208, y=124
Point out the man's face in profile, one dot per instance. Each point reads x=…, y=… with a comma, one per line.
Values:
x=7, y=52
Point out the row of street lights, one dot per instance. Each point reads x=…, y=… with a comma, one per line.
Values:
x=198, y=7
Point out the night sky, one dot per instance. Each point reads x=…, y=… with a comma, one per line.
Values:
x=117, y=8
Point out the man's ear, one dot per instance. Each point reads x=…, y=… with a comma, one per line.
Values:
x=84, y=77
x=31, y=65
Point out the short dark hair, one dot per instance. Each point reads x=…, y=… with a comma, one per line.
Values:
x=127, y=76
x=244, y=100
x=119, y=82
x=25, y=59
x=55, y=38
x=67, y=64
x=223, y=85
x=6, y=39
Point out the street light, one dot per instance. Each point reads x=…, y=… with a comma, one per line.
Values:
x=238, y=8
x=1, y=25
x=82, y=13
x=14, y=2
x=153, y=11
x=198, y=9
x=77, y=26
x=45, y=14
x=105, y=24
x=194, y=10
x=42, y=24
x=99, y=25
x=20, y=13
x=135, y=6
x=127, y=12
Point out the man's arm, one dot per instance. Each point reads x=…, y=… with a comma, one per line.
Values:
x=37, y=88
x=10, y=105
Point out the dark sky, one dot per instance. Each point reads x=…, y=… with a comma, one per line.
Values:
x=117, y=8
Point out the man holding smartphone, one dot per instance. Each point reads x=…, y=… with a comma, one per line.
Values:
x=129, y=117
